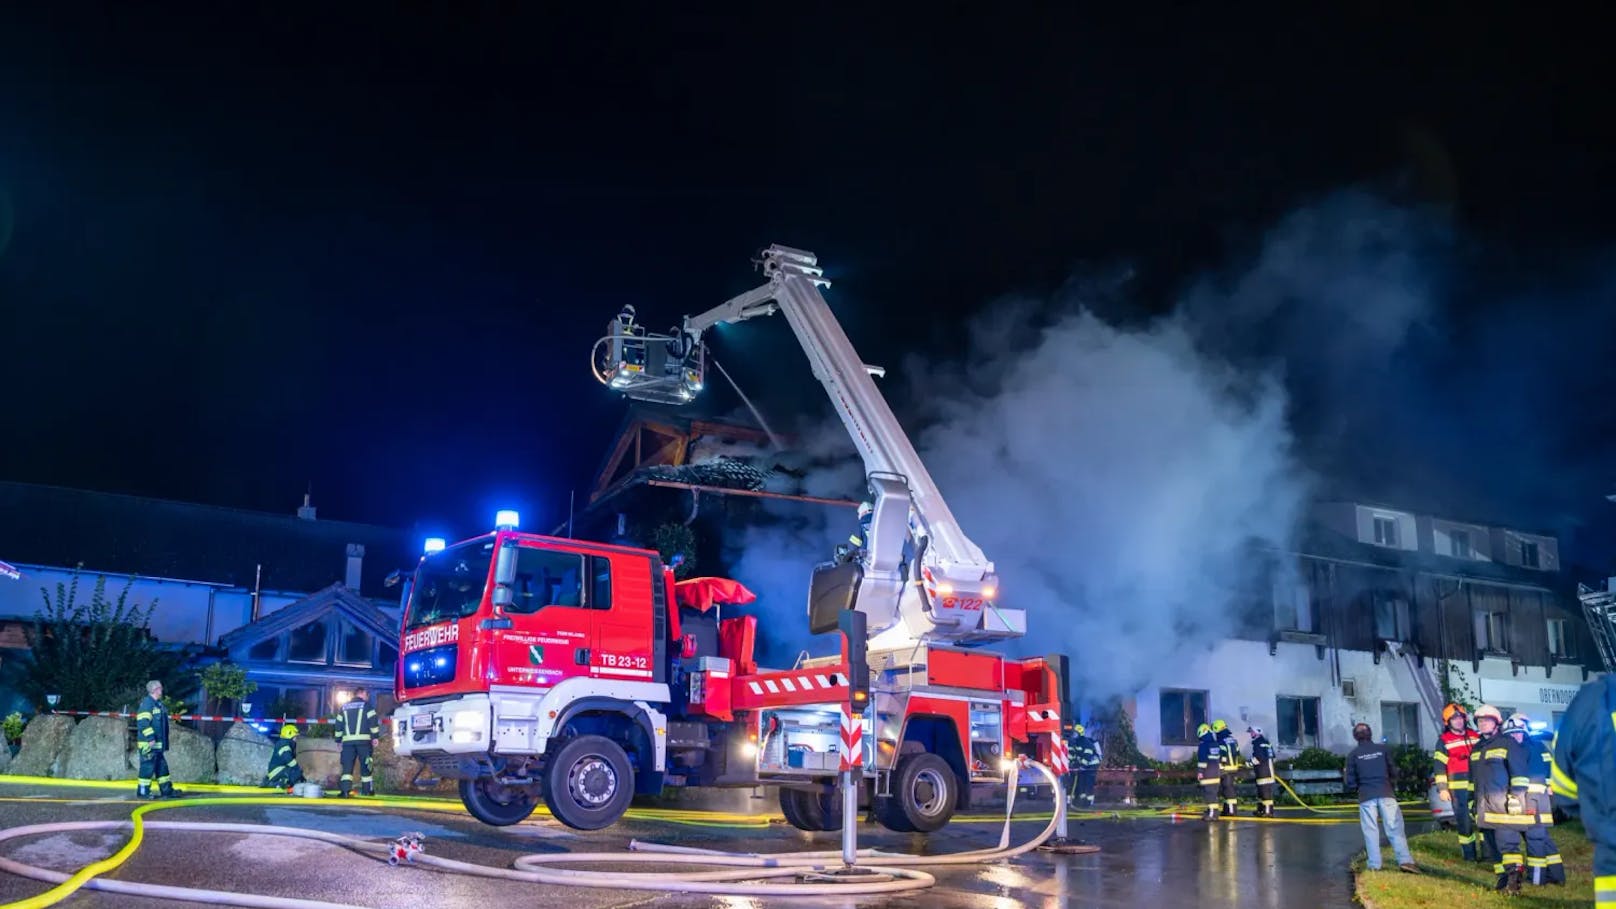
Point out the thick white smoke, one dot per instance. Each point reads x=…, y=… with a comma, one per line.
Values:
x=1122, y=478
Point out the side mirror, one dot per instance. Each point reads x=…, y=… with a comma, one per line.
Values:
x=505, y=577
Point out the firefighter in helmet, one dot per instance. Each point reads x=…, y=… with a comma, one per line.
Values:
x=1262, y=770
x=1452, y=765
x=1083, y=753
x=1208, y=770
x=1229, y=765
x=284, y=773
x=1543, y=862
x=1500, y=779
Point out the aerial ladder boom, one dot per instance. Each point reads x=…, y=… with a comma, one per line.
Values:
x=920, y=576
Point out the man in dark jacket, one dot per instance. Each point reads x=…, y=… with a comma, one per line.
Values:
x=1499, y=773
x=1229, y=764
x=1584, y=771
x=358, y=728
x=1371, y=772
x=151, y=738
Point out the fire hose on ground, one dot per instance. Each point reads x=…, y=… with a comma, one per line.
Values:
x=737, y=874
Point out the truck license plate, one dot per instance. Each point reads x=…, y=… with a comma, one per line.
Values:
x=421, y=721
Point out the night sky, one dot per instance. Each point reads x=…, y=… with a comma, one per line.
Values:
x=245, y=252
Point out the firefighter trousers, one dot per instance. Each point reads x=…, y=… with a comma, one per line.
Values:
x=153, y=767
x=1084, y=786
x=1226, y=792
x=1463, y=820
x=352, y=753
x=1506, y=844
x=1209, y=778
x=1543, y=864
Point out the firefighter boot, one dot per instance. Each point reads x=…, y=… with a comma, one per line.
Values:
x=1469, y=851
x=366, y=788
x=169, y=792
x=143, y=791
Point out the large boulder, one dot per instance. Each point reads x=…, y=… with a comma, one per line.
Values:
x=95, y=750
x=394, y=773
x=190, y=755
x=243, y=755
x=42, y=743
x=320, y=760
x=5, y=756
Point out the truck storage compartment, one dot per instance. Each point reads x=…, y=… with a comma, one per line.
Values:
x=805, y=740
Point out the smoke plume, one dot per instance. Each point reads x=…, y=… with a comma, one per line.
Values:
x=1120, y=473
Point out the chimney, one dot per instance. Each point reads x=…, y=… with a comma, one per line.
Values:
x=356, y=563
x=307, y=511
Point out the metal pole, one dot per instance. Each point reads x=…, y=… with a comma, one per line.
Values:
x=849, y=819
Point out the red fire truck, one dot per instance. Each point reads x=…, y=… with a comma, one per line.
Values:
x=582, y=673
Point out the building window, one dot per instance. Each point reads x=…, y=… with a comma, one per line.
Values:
x=1391, y=616
x=1560, y=638
x=387, y=658
x=1294, y=606
x=1181, y=712
x=354, y=647
x=1385, y=531
x=267, y=649
x=1400, y=723
x=545, y=577
x=1459, y=544
x=1298, y=721
x=308, y=644
x=304, y=702
x=1492, y=631
x=1529, y=558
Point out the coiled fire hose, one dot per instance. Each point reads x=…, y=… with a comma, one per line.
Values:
x=737, y=874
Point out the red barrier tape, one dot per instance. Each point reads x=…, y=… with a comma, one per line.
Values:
x=297, y=720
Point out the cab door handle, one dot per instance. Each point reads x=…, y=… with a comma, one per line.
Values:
x=581, y=656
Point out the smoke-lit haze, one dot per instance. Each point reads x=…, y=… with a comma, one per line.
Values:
x=1118, y=474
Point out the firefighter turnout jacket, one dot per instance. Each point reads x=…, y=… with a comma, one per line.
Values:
x=1584, y=770
x=358, y=723
x=151, y=725
x=1498, y=770
x=1229, y=752
x=1452, y=757
x=1084, y=751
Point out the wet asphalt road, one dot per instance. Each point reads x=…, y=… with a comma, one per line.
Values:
x=1144, y=862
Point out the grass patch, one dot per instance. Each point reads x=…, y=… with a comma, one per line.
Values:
x=1450, y=881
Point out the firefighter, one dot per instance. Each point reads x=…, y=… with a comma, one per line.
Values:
x=1262, y=770
x=358, y=727
x=1229, y=764
x=1543, y=863
x=1208, y=772
x=1084, y=754
x=1582, y=772
x=1499, y=780
x=861, y=539
x=151, y=731
x=1452, y=764
x=284, y=773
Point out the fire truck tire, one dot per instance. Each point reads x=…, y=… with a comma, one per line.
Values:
x=588, y=782
x=495, y=804
x=925, y=792
x=811, y=811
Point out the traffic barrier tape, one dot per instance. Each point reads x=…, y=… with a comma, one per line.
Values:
x=298, y=720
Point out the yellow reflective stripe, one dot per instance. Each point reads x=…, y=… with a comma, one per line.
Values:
x=1460, y=785
x=1495, y=753
x=1605, y=888
x=1441, y=757
x=1536, y=787
x=1552, y=860
x=1442, y=779
x=1514, y=820
x=143, y=715
x=1265, y=781
x=1561, y=784
x=1519, y=781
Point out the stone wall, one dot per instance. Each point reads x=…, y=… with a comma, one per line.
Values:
x=42, y=743
x=96, y=751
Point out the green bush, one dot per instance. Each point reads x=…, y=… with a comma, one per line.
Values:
x=1315, y=759
x=12, y=727
x=1414, y=769
x=226, y=682
x=96, y=655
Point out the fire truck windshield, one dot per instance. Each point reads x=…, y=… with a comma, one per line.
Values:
x=449, y=584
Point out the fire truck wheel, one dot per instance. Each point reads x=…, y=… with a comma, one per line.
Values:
x=925, y=792
x=496, y=804
x=811, y=811
x=588, y=782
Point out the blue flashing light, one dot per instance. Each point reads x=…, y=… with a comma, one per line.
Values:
x=440, y=662
x=507, y=518
x=415, y=665
x=1538, y=726
x=434, y=544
